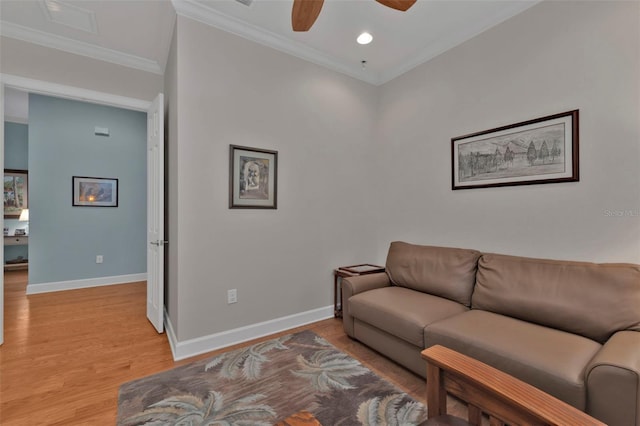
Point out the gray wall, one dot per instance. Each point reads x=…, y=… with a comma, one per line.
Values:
x=171, y=182
x=55, y=66
x=554, y=57
x=65, y=240
x=233, y=91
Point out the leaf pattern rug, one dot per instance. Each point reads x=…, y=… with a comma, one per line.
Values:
x=265, y=383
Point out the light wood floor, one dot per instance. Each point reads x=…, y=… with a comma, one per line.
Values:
x=66, y=353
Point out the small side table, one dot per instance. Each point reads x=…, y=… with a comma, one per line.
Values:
x=345, y=272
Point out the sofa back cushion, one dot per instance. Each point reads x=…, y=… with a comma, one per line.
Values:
x=441, y=271
x=589, y=299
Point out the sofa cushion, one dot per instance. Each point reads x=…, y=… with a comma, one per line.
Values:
x=402, y=312
x=592, y=300
x=442, y=271
x=551, y=360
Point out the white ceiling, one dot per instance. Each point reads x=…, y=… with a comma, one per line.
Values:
x=137, y=33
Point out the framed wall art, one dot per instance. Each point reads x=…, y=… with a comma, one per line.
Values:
x=253, y=178
x=95, y=192
x=16, y=192
x=542, y=150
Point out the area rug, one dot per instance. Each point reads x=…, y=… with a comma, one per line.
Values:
x=265, y=383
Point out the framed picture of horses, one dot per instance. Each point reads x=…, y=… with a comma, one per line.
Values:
x=542, y=150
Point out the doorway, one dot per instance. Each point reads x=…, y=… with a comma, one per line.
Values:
x=64, y=92
x=16, y=185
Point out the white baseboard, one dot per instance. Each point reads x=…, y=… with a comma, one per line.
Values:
x=91, y=282
x=200, y=345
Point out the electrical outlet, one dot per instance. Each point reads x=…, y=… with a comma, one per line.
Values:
x=232, y=296
x=99, y=258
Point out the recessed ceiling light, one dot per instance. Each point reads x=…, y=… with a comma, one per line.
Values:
x=364, y=38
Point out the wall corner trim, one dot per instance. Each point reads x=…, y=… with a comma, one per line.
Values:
x=171, y=334
x=200, y=345
x=86, y=283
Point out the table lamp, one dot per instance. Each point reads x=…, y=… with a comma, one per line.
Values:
x=24, y=217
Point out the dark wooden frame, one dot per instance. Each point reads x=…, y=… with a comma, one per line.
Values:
x=486, y=390
x=235, y=185
x=75, y=197
x=26, y=176
x=571, y=116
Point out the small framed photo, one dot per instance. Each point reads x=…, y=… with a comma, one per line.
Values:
x=542, y=150
x=253, y=178
x=16, y=192
x=95, y=192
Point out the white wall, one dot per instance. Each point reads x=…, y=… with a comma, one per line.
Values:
x=233, y=91
x=554, y=57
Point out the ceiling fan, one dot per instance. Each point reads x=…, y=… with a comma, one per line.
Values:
x=305, y=12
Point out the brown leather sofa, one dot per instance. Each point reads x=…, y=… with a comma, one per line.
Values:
x=572, y=329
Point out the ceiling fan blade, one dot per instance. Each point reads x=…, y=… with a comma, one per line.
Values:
x=305, y=13
x=402, y=5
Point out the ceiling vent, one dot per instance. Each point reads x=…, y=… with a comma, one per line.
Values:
x=245, y=2
x=69, y=15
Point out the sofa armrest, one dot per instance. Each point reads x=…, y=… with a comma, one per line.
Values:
x=358, y=284
x=505, y=399
x=613, y=380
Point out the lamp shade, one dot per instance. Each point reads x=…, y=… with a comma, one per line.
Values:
x=24, y=215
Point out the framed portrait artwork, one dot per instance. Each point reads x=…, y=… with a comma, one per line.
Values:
x=95, y=192
x=542, y=150
x=16, y=192
x=253, y=178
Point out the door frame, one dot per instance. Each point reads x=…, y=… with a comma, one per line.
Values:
x=60, y=91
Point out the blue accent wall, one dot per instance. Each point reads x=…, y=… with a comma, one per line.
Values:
x=64, y=240
x=16, y=146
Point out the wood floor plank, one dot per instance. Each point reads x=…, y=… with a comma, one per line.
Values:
x=66, y=353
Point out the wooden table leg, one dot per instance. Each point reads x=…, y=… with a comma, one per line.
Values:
x=337, y=297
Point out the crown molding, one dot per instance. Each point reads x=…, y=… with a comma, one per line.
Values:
x=19, y=32
x=201, y=13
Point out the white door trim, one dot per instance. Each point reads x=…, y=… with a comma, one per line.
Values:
x=71, y=92
x=60, y=91
x=155, y=213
